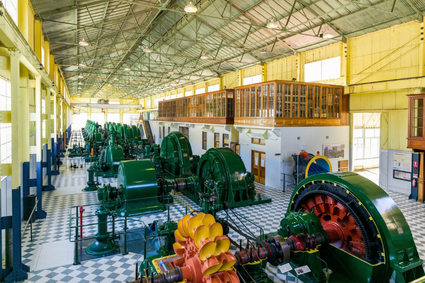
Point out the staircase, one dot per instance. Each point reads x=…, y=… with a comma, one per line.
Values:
x=146, y=129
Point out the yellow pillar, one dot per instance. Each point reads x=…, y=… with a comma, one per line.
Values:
x=300, y=72
x=346, y=55
x=221, y=83
x=240, y=78
x=422, y=53
x=264, y=73
x=55, y=116
x=48, y=119
x=24, y=117
x=44, y=115
x=37, y=38
x=46, y=55
x=15, y=92
x=23, y=10
x=51, y=66
x=39, y=121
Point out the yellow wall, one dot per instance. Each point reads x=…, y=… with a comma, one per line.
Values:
x=230, y=80
x=252, y=71
x=387, y=54
x=282, y=69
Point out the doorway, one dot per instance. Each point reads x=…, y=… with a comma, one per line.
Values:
x=185, y=131
x=258, y=166
x=366, y=144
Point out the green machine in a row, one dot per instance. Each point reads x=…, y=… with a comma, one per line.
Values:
x=134, y=195
x=345, y=228
x=219, y=181
x=338, y=228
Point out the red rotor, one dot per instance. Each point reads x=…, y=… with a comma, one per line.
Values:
x=338, y=223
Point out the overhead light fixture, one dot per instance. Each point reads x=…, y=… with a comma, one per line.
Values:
x=82, y=64
x=272, y=24
x=328, y=35
x=198, y=38
x=109, y=85
x=79, y=94
x=203, y=56
x=79, y=87
x=127, y=69
x=171, y=73
x=263, y=51
x=190, y=8
x=84, y=43
x=80, y=83
x=80, y=77
x=115, y=79
x=147, y=50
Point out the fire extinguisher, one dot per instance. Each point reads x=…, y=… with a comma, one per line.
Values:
x=414, y=183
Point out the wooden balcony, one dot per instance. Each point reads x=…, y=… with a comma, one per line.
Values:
x=291, y=104
x=268, y=104
x=209, y=108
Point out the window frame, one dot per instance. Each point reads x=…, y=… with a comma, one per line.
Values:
x=204, y=141
x=260, y=141
x=216, y=143
x=228, y=140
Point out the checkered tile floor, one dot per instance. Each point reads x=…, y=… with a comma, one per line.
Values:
x=119, y=268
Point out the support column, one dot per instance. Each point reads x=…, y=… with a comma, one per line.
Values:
x=19, y=270
x=240, y=78
x=55, y=137
x=23, y=18
x=48, y=147
x=38, y=144
x=422, y=53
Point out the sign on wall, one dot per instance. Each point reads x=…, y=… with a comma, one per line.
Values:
x=402, y=166
x=402, y=161
x=334, y=150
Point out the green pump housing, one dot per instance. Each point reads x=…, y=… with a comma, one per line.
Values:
x=367, y=237
x=135, y=194
x=215, y=181
x=138, y=192
x=176, y=149
x=223, y=177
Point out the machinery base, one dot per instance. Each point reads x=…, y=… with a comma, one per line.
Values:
x=48, y=188
x=19, y=274
x=101, y=247
x=90, y=188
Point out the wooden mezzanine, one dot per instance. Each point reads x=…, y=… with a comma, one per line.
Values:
x=210, y=108
x=291, y=104
x=268, y=104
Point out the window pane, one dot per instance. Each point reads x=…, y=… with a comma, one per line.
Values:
x=312, y=71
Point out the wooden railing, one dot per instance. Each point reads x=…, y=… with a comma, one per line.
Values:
x=213, y=108
x=271, y=104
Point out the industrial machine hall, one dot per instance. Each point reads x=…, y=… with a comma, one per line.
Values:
x=212, y=141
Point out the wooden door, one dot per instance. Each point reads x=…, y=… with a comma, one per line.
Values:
x=258, y=166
